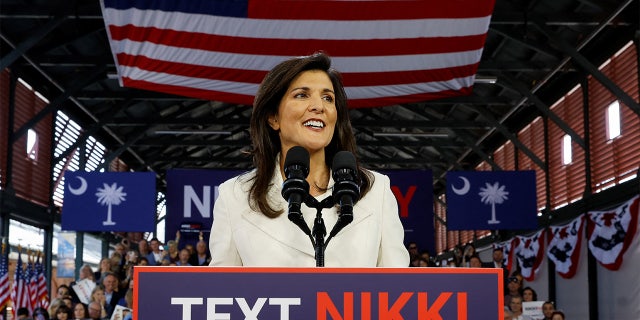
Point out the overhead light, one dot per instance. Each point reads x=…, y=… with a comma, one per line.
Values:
x=411, y=134
x=202, y=132
x=485, y=79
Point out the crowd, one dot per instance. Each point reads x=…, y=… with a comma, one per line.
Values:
x=113, y=281
x=515, y=291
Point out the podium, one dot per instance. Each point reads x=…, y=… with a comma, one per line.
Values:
x=229, y=293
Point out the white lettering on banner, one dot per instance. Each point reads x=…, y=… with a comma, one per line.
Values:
x=250, y=313
x=203, y=206
x=186, y=305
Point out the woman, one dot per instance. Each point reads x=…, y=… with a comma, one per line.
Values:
x=80, y=311
x=63, y=313
x=557, y=315
x=302, y=102
x=528, y=294
x=97, y=295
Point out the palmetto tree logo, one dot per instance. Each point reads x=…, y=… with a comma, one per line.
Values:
x=493, y=194
x=110, y=196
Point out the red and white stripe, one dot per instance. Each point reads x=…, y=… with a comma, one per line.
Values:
x=388, y=51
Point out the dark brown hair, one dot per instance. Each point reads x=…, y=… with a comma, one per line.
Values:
x=266, y=141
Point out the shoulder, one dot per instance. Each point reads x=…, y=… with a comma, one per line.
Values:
x=241, y=183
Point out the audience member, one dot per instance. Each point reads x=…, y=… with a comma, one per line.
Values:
x=498, y=262
x=63, y=313
x=424, y=254
x=95, y=311
x=40, y=314
x=155, y=256
x=412, y=247
x=80, y=311
x=143, y=248
x=201, y=257
x=111, y=293
x=468, y=252
x=183, y=258
x=22, y=313
x=508, y=315
x=105, y=267
x=172, y=251
x=475, y=262
x=547, y=309
x=528, y=294
x=63, y=290
x=514, y=287
x=143, y=261
x=97, y=295
x=53, y=306
x=516, y=307
x=557, y=315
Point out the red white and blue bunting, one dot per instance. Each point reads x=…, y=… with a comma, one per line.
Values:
x=610, y=232
x=564, y=247
x=529, y=252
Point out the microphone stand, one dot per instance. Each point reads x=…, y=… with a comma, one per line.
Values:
x=319, y=229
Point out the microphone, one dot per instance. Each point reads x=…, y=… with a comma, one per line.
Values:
x=295, y=189
x=346, y=190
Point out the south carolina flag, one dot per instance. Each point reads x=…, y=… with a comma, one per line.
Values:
x=490, y=200
x=109, y=201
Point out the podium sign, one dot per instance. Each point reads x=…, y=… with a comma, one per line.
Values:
x=230, y=293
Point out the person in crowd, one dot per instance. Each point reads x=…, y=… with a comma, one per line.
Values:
x=302, y=102
x=53, y=306
x=111, y=293
x=475, y=262
x=104, y=268
x=68, y=301
x=22, y=313
x=412, y=247
x=40, y=314
x=183, y=258
x=201, y=257
x=547, y=309
x=557, y=315
x=514, y=287
x=508, y=314
x=96, y=311
x=173, y=254
x=528, y=294
x=468, y=252
x=156, y=255
x=457, y=257
x=63, y=313
x=515, y=305
x=80, y=311
x=498, y=262
x=63, y=291
x=424, y=254
x=129, y=304
x=97, y=295
x=143, y=248
x=142, y=261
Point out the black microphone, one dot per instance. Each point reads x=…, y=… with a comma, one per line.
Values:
x=346, y=190
x=295, y=188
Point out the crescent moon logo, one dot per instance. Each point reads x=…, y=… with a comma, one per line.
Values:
x=464, y=190
x=80, y=190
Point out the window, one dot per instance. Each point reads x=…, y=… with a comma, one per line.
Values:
x=32, y=145
x=567, y=155
x=613, y=120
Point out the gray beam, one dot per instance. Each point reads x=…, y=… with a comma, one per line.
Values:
x=28, y=43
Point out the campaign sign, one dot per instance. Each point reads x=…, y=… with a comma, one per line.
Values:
x=206, y=293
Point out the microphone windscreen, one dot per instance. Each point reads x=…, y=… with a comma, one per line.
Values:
x=297, y=156
x=344, y=160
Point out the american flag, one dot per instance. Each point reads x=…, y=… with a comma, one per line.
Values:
x=43, y=292
x=389, y=51
x=20, y=290
x=4, y=280
x=32, y=277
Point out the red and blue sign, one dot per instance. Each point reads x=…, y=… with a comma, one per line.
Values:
x=317, y=293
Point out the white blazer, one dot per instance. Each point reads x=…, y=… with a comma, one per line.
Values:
x=243, y=237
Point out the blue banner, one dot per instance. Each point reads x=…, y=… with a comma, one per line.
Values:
x=199, y=293
x=414, y=192
x=191, y=194
x=491, y=200
x=109, y=201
